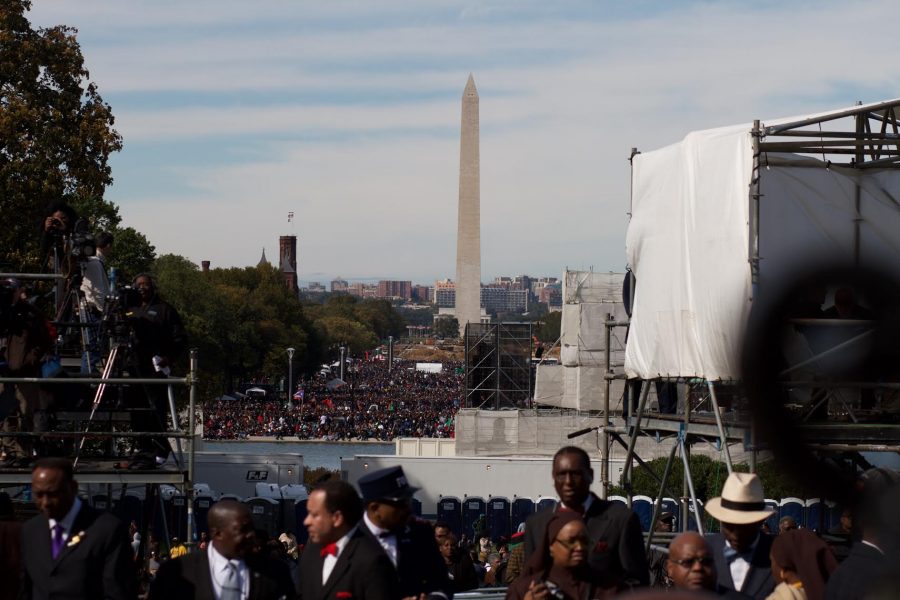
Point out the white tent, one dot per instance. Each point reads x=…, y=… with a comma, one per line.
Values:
x=720, y=215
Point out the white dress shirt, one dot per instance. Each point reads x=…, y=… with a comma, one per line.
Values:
x=387, y=539
x=584, y=507
x=330, y=561
x=740, y=566
x=218, y=571
x=67, y=522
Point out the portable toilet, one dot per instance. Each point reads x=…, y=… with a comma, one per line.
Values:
x=544, y=503
x=202, y=504
x=643, y=508
x=234, y=497
x=692, y=518
x=416, y=507
x=177, y=517
x=266, y=514
x=449, y=510
x=131, y=508
x=474, y=516
x=300, y=511
x=670, y=505
x=101, y=502
x=520, y=510
x=203, y=489
x=792, y=507
x=268, y=490
x=621, y=499
x=832, y=514
x=772, y=521
x=498, y=517
x=290, y=494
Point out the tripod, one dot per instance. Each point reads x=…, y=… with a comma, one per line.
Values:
x=114, y=364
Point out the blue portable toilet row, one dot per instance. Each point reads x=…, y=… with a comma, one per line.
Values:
x=496, y=516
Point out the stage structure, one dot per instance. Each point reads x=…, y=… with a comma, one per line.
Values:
x=89, y=437
x=587, y=354
x=726, y=219
x=498, y=365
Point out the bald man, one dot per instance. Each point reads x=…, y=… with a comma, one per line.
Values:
x=226, y=570
x=691, y=566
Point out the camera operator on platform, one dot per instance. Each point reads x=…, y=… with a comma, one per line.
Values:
x=95, y=284
x=24, y=339
x=159, y=339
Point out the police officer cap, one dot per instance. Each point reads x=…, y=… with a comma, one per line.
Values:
x=386, y=484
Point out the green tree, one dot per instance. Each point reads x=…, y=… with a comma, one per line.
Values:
x=548, y=328
x=132, y=253
x=56, y=132
x=340, y=331
x=446, y=327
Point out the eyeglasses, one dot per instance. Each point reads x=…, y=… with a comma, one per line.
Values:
x=573, y=475
x=688, y=563
x=583, y=541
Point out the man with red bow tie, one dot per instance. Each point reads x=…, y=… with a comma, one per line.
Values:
x=341, y=562
x=617, y=545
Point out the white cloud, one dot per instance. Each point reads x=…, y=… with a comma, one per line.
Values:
x=564, y=98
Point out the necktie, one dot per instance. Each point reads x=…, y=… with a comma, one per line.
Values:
x=328, y=549
x=231, y=585
x=57, y=540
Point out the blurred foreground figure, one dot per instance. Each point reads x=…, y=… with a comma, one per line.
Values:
x=70, y=550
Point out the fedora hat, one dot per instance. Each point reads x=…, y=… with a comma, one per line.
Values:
x=742, y=501
x=386, y=484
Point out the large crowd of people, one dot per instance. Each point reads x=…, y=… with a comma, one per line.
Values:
x=372, y=404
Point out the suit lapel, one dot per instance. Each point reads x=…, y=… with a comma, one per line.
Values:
x=77, y=535
x=756, y=576
x=341, y=566
x=722, y=567
x=202, y=576
x=42, y=550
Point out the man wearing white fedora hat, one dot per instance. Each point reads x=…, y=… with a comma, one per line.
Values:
x=741, y=550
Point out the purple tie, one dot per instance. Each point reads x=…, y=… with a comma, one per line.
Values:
x=57, y=539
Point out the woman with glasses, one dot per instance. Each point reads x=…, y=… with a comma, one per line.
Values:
x=559, y=570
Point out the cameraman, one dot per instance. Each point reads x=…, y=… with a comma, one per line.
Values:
x=159, y=338
x=59, y=220
x=95, y=284
x=24, y=339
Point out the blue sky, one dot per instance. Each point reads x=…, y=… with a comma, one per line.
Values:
x=347, y=114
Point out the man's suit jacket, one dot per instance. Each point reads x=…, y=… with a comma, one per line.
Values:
x=759, y=582
x=420, y=566
x=95, y=563
x=362, y=572
x=617, y=555
x=187, y=577
x=863, y=568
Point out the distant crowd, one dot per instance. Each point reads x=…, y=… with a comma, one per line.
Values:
x=373, y=404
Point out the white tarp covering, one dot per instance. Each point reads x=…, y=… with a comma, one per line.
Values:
x=688, y=242
x=430, y=367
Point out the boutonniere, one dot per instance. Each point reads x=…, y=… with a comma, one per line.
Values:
x=75, y=539
x=344, y=595
x=601, y=546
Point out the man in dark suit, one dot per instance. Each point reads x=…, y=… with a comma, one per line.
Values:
x=407, y=542
x=617, y=556
x=226, y=570
x=691, y=566
x=341, y=562
x=70, y=550
x=741, y=550
x=871, y=568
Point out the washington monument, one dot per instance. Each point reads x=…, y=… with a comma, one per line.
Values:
x=468, y=235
